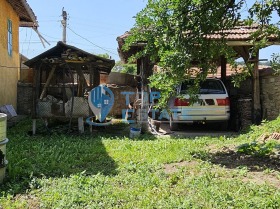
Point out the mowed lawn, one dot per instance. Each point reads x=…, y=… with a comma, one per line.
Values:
x=106, y=169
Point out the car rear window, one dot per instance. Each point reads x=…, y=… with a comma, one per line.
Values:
x=206, y=87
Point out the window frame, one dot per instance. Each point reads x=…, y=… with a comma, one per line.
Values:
x=10, y=37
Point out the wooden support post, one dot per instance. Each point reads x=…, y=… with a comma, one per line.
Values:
x=90, y=128
x=91, y=74
x=36, y=89
x=96, y=78
x=256, y=91
x=34, y=126
x=81, y=125
x=82, y=81
x=223, y=68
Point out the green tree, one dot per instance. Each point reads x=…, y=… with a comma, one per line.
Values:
x=125, y=68
x=176, y=31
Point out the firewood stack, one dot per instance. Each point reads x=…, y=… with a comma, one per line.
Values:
x=245, y=112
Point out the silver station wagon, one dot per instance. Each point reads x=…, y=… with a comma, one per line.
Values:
x=213, y=104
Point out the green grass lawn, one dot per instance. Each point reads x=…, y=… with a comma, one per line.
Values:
x=108, y=170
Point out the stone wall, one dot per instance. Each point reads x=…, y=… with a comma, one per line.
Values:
x=241, y=99
x=270, y=95
x=24, y=98
x=240, y=104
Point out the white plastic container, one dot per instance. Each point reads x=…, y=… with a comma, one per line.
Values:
x=3, y=126
x=3, y=166
x=134, y=132
x=3, y=146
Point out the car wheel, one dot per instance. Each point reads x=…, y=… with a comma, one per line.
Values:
x=173, y=126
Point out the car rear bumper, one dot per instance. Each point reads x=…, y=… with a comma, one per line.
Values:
x=201, y=118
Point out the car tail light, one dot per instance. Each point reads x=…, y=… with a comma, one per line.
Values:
x=181, y=102
x=223, y=102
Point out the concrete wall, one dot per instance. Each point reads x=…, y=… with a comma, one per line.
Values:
x=9, y=65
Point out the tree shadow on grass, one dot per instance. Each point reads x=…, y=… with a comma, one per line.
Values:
x=53, y=155
x=57, y=151
x=231, y=159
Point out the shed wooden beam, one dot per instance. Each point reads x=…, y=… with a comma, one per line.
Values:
x=48, y=82
x=246, y=43
x=243, y=51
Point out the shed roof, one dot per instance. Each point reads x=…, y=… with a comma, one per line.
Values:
x=26, y=15
x=72, y=54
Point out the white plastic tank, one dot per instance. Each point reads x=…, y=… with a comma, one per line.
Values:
x=3, y=142
x=3, y=126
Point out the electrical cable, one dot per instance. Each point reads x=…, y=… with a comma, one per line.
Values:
x=90, y=41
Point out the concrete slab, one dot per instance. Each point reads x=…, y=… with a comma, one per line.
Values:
x=194, y=130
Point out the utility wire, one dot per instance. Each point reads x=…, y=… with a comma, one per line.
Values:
x=90, y=41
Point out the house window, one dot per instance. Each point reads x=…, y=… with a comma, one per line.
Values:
x=10, y=38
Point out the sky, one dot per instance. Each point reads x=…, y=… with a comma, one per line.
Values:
x=92, y=25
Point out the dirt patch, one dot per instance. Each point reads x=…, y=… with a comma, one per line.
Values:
x=173, y=167
x=260, y=178
x=259, y=170
x=31, y=201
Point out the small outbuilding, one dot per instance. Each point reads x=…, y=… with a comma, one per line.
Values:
x=63, y=75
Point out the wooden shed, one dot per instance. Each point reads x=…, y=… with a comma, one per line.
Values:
x=63, y=75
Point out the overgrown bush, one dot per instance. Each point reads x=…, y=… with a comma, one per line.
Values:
x=259, y=149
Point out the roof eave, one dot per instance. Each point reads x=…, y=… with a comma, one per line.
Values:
x=26, y=15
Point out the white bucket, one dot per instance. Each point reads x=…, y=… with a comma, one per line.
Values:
x=3, y=126
x=134, y=132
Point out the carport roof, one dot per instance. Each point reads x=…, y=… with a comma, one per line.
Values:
x=241, y=35
x=238, y=36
